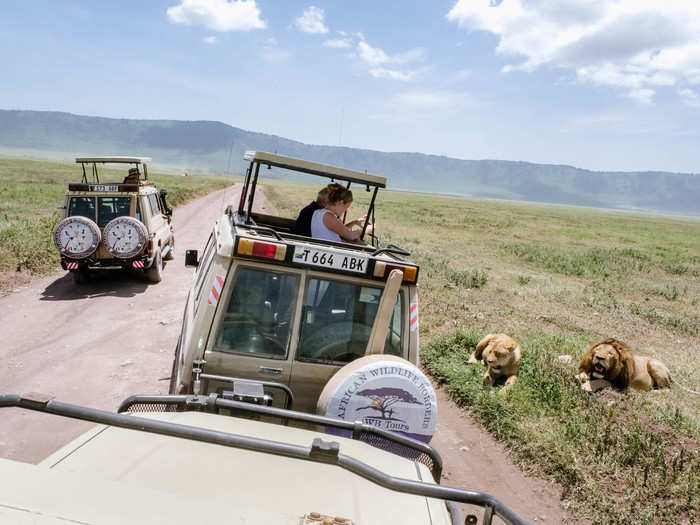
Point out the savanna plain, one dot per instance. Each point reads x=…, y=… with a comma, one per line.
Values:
x=555, y=278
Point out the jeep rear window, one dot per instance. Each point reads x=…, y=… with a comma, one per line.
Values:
x=257, y=320
x=82, y=206
x=109, y=208
x=337, y=321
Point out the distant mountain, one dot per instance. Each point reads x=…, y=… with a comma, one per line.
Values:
x=218, y=147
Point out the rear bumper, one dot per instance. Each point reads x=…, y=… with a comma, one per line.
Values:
x=136, y=263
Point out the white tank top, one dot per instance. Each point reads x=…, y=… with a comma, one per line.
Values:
x=319, y=230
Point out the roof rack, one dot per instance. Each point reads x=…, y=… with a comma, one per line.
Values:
x=398, y=443
x=111, y=159
x=258, y=158
x=319, y=451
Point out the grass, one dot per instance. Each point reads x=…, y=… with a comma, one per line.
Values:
x=558, y=278
x=30, y=195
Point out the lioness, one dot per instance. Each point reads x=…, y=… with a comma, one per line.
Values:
x=501, y=355
x=614, y=361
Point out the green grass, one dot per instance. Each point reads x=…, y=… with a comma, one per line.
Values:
x=602, y=450
x=558, y=278
x=30, y=195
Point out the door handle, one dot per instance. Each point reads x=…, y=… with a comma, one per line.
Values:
x=270, y=371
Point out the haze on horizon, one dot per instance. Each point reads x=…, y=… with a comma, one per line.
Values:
x=603, y=85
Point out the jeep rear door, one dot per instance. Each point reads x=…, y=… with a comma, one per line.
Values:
x=336, y=322
x=254, y=325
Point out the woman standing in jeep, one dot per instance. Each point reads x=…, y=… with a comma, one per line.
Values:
x=326, y=223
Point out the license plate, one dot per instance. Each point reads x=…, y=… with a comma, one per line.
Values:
x=329, y=259
x=104, y=187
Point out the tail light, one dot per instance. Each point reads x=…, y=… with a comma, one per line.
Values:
x=382, y=270
x=266, y=250
x=150, y=247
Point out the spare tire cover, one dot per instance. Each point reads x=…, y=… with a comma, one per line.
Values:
x=384, y=391
x=77, y=237
x=125, y=237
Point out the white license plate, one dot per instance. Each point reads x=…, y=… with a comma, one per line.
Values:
x=104, y=187
x=329, y=259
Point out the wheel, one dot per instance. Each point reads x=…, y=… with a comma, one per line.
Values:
x=81, y=276
x=155, y=272
x=171, y=252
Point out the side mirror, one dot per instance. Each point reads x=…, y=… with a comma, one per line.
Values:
x=191, y=258
x=168, y=209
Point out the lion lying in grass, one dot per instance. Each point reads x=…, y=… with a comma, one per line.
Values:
x=613, y=361
x=501, y=355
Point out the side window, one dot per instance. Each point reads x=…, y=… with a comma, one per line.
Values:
x=337, y=321
x=153, y=202
x=83, y=206
x=257, y=318
x=203, y=270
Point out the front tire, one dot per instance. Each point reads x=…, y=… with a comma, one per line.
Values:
x=155, y=272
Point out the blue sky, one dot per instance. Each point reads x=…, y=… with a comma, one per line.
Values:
x=598, y=84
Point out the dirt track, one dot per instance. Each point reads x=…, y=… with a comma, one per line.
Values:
x=98, y=343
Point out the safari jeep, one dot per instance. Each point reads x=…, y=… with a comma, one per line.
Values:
x=289, y=310
x=184, y=460
x=115, y=225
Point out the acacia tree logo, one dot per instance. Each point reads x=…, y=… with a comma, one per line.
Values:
x=384, y=398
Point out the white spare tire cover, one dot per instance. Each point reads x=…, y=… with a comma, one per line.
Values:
x=384, y=391
x=77, y=237
x=125, y=237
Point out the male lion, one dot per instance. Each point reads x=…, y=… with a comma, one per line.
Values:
x=501, y=355
x=614, y=361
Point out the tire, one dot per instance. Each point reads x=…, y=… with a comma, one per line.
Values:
x=81, y=276
x=155, y=273
x=171, y=253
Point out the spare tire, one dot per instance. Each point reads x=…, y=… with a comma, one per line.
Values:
x=125, y=237
x=77, y=237
x=384, y=391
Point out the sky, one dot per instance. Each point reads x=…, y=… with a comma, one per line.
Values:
x=597, y=84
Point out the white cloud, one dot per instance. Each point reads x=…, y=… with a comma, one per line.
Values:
x=340, y=43
x=381, y=72
x=377, y=60
x=311, y=21
x=217, y=15
x=209, y=40
x=690, y=97
x=636, y=45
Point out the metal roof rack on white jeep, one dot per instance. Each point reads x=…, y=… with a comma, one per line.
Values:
x=111, y=159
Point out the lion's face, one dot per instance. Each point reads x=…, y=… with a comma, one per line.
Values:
x=605, y=362
x=498, y=357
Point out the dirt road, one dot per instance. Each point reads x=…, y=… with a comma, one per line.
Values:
x=98, y=343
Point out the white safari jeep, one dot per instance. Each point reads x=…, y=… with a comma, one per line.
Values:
x=115, y=225
x=286, y=309
x=178, y=460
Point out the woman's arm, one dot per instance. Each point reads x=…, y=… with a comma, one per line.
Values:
x=332, y=222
